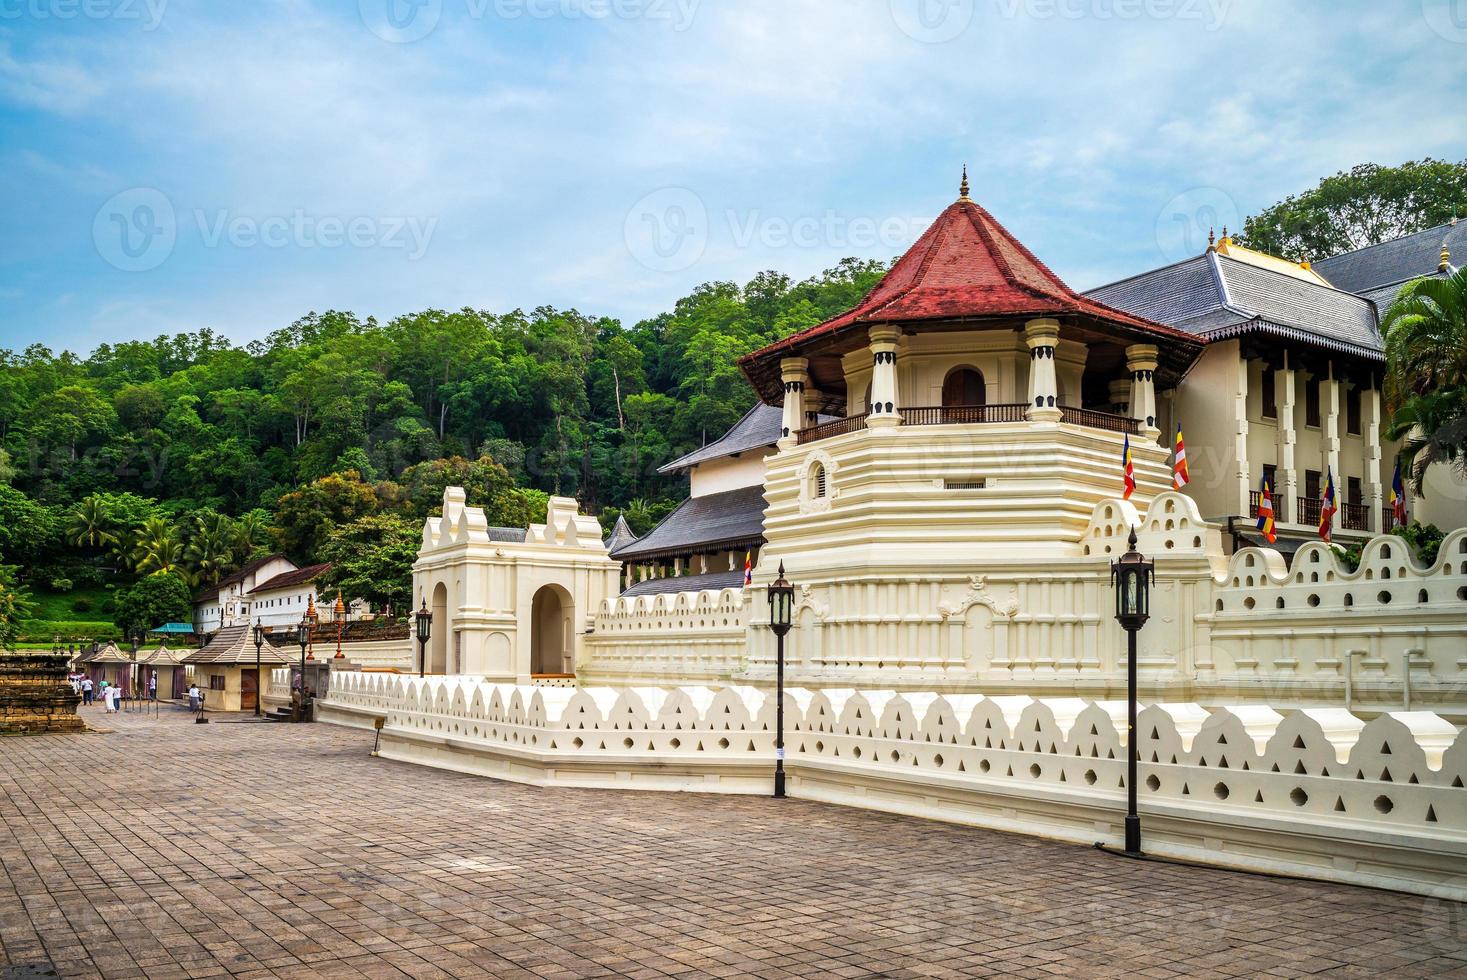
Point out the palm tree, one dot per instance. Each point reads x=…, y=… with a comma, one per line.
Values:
x=251, y=532
x=211, y=548
x=1426, y=373
x=91, y=523
x=158, y=549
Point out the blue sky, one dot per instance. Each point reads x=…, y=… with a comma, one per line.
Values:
x=176, y=164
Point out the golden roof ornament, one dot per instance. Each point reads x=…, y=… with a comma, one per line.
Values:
x=963, y=187
x=1446, y=261
x=1211, y=240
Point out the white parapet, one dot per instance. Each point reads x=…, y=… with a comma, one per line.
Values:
x=1318, y=792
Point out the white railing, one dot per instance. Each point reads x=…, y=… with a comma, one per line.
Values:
x=674, y=637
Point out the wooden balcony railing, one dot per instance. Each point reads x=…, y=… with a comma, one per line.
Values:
x=1355, y=517
x=1255, y=497
x=970, y=415
x=835, y=427
x=1098, y=420
x=962, y=414
x=1309, y=511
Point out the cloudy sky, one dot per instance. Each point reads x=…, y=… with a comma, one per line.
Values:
x=175, y=164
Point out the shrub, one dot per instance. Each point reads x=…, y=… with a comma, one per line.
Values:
x=81, y=604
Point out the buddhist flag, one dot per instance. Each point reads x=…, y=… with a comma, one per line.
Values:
x=1327, y=506
x=1265, y=513
x=1398, y=498
x=1180, y=477
x=748, y=568
x=1128, y=470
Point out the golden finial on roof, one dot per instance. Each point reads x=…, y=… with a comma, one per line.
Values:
x=963, y=187
x=1211, y=241
x=1446, y=262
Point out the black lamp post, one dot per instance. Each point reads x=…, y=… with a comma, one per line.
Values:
x=781, y=609
x=259, y=681
x=303, y=637
x=425, y=630
x=1132, y=576
x=132, y=673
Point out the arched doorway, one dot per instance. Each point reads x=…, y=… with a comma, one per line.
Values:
x=438, y=642
x=962, y=389
x=552, y=632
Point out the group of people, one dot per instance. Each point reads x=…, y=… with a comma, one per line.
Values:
x=107, y=692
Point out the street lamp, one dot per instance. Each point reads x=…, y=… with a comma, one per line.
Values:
x=1132, y=576
x=259, y=632
x=425, y=629
x=338, y=614
x=132, y=671
x=312, y=619
x=781, y=609
x=303, y=637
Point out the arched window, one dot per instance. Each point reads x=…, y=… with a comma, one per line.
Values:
x=817, y=481
x=963, y=387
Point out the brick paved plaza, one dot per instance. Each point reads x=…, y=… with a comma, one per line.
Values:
x=165, y=849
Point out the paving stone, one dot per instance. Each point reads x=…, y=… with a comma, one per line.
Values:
x=168, y=850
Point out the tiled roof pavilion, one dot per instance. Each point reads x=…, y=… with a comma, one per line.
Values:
x=965, y=272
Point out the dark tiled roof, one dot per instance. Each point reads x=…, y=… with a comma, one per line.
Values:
x=760, y=427
x=1214, y=296
x=1399, y=260
x=688, y=583
x=299, y=576
x=234, y=645
x=239, y=576
x=621, y=534
x=732, y=519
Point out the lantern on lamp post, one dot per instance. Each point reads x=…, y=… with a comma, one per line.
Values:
x=1131, y=576
x=338, y=615
x=781, y=613
x=303, y=637
x=259, y=636
x=425, y=630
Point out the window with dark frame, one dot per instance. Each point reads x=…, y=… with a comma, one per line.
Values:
x=1354, y=493
x=1311, y=402
x=1352, y=411
x=1270, y=393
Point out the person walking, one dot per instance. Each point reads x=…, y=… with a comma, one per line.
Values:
x=153, y=686
x=86, y=690
x=193, y=697
x=110, y=697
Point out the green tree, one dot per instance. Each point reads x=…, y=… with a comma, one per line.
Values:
x=151, y=602
x=157, y=548
x=92, y=523
x=372, y=558
x=305, y=518
x=15, y=607
x=1362, y=206
x=28, y=529
x=1426, y=381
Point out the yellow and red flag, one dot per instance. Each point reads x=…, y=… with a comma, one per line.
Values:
x=1180, y=476
x=1265, y=514
x=1327, y=506
x=1129, y=470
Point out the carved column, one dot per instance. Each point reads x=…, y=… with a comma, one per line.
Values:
x=884, y=397
x=1242, y=477
x=795, y=372
x=1141, y=362
x=1329, y=411
x=1042, y=336
x=1288, y=472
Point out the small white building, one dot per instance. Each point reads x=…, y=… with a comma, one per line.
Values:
x=228, y=603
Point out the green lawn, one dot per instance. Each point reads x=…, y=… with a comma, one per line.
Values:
x=56, y=615
x=61, y=605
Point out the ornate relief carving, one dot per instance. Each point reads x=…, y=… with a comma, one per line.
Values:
x=978, y=595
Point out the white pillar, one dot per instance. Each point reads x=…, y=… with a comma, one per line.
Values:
x=1141, y=362
x=795, y=372
x=885, y=401
x=1243, y=478
x=1042, y=336
x=1288, y=470
x=1374, y=490
x=1329, y=411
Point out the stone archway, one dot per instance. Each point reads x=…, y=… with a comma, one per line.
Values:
x=438, y=642
x=552, y=631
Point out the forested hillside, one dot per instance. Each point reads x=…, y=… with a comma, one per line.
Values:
x=187, y=454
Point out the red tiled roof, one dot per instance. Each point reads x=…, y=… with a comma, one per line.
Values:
x=239, y=576
x=967, y=266
x=299, y=576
